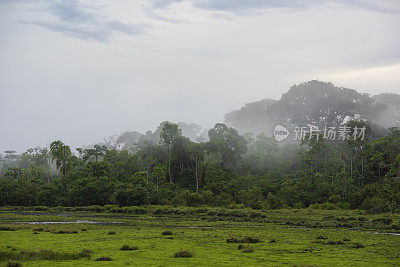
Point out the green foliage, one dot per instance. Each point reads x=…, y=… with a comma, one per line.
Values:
x=230, y=169
x=61, y=154
x=227, y=143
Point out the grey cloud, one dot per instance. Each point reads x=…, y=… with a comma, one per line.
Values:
x=75, y=21
x=76, y=31
x=373, y=7
x=164, y=3
x=151, y=10
x=240, y=6
x=126, y=28
x=156, y=16
x=70, y=11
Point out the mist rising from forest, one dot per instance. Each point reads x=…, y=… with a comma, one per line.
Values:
x=80, y=71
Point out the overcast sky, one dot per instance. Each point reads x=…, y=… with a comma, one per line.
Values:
x=83, y=70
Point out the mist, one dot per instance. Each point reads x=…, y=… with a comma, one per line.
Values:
x=83, y=71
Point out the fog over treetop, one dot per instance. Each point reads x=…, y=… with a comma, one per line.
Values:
x=309, y=103
x=316, y=103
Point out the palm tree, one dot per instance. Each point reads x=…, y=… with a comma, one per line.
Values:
x=60, y=153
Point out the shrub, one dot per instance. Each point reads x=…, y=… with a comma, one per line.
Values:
x=11, y=247
x=386, y=221
x=6, y=228
x=329, y=242
x=396, y=226
x=357, y=245
x=14, y=264
x=167, y=232
x=251, y=240
x=138, y=210
x=323, y=206
x=41, y=208
x=257, y=205
x=245, y=249
x=64, y=232
x=86, y=253
x=109, y=207
x=103, y=259
x=248, y=249
x=235, y=206
x=202, y=210
x=184, y=254
x=335, y=242
x=334, y=199
x=247, y=239
x=95, y=208
x=362, y=219
x=299, y=205
x=273, y=201
x=128, y=248
x=375, y=205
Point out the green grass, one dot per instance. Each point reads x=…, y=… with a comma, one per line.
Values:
x=272, y=238
x=42, y=255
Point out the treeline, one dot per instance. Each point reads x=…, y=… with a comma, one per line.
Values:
x=228, y=169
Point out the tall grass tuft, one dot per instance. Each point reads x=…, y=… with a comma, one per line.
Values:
x=128, y=248
x=167, y=232
x=184, y=254
x=103, y=259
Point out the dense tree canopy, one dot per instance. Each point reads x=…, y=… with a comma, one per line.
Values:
x=229, y=168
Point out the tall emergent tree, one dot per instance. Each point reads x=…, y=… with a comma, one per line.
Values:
x=227, y=143
x=169, y=133
x=61, y=154
x=197, y=153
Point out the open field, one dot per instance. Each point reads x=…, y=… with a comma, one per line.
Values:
x=206, y=236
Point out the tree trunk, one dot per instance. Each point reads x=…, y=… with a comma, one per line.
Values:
x=147, y=171
x=316, y=167
x=169, y=167
x=197, y=178
x=351, y=166
x=362, y=171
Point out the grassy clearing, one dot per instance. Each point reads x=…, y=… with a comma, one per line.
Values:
x=255, y=241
